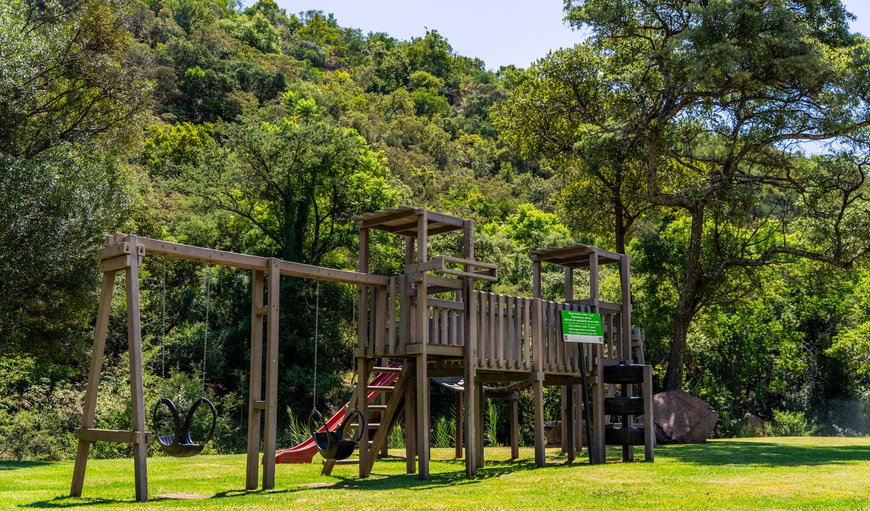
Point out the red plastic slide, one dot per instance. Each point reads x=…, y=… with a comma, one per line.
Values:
x=304, y=452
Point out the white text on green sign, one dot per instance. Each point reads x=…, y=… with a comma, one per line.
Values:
x=582, y=327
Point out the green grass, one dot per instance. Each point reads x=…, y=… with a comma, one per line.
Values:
x=769, y=473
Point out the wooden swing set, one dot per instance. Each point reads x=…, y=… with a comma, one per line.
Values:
x=435, y=323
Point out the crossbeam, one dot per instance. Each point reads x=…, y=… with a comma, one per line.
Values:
x=241, y=261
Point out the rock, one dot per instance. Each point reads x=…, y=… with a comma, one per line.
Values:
x=753, y=421
x=553, y=433
x=682, y=418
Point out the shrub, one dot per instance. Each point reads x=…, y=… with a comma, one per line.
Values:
x=787, y=423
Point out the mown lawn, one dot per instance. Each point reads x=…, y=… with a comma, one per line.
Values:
x=770, y=473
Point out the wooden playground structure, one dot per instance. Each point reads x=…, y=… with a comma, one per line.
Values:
x=427, y=323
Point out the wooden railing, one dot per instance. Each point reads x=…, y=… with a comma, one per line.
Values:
x=506, y=338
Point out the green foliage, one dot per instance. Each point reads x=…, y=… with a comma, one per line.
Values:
x=791, y=424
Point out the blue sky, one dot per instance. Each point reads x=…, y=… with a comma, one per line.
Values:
x=499, y=32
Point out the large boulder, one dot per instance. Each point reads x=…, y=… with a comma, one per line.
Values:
x=682, y=418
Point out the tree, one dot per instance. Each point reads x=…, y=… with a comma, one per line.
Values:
x=64, y=74
x=297, y=177
x=66, y=97
x=566, y=112
x=720, y=93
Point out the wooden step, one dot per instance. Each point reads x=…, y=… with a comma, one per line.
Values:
x=371, y=425
x=623, y=406
x=623, y=373
x=386, y=369
x=624, y=436
x=348, y=461
x=382, y=388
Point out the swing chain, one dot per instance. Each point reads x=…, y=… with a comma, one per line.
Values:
x=163, y=334
x=205, y=339
x=316, y=335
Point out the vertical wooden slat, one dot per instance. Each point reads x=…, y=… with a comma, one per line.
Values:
x=134, y=341
x=483, y=331
x=391, y=317
x=529, y=338
x=271, y=428
x=551, y=331
x=380, y=318
x=90, y=407
x=255, y=384
x=493, y=330
x=501, y=339
x=625, y=280
x=445, y=327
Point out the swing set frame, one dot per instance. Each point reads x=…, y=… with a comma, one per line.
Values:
x=124, y=253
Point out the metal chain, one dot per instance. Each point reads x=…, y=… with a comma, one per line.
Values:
x=316, y=335
x=163, y=335
x=207, y=307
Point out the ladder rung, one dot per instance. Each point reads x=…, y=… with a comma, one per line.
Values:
x=382, y=388
x=386, y=369
x=348, y=461
x=379, y=408
x=371, y=425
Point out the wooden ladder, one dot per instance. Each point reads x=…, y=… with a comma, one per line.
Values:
x=382, y=417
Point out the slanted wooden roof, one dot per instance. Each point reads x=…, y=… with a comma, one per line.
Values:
x=403, y=220
x=574, y=256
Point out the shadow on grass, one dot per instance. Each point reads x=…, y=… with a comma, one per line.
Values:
x=491, y=469
x=768, y=454
x=15, y=465
x=65, y=501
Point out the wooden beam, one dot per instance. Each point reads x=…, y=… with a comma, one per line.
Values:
x=515, y=428
x=250, y=262
x=362, y=382
x=114, y=435
x=93, y=388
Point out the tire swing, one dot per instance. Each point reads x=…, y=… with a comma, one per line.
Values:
x=332, y=445
x=179, y=443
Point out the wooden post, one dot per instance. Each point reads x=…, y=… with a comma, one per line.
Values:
x=271, y=429
x=649, y=427
x=515, y=429
x=470, y=335
x=362, y=364
x=458, y=425
x=422, y=334
x=255, y=392
x=134, y=342
x=538, y=384
x=422, y=381
x=536, y=279
x=479, y=404
x=93, y=388
x=600, y=450
x=411, y=424
x=568, y=440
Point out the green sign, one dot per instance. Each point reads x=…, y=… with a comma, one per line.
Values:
x=582, y=327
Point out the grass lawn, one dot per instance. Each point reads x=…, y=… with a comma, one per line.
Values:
x=769, y=473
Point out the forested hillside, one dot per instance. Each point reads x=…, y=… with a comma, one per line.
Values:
x=256, y=130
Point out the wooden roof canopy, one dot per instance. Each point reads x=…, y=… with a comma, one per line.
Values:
x=574, y=256
x=403, y=220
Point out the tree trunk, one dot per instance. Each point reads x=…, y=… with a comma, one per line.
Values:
x=686, y=306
